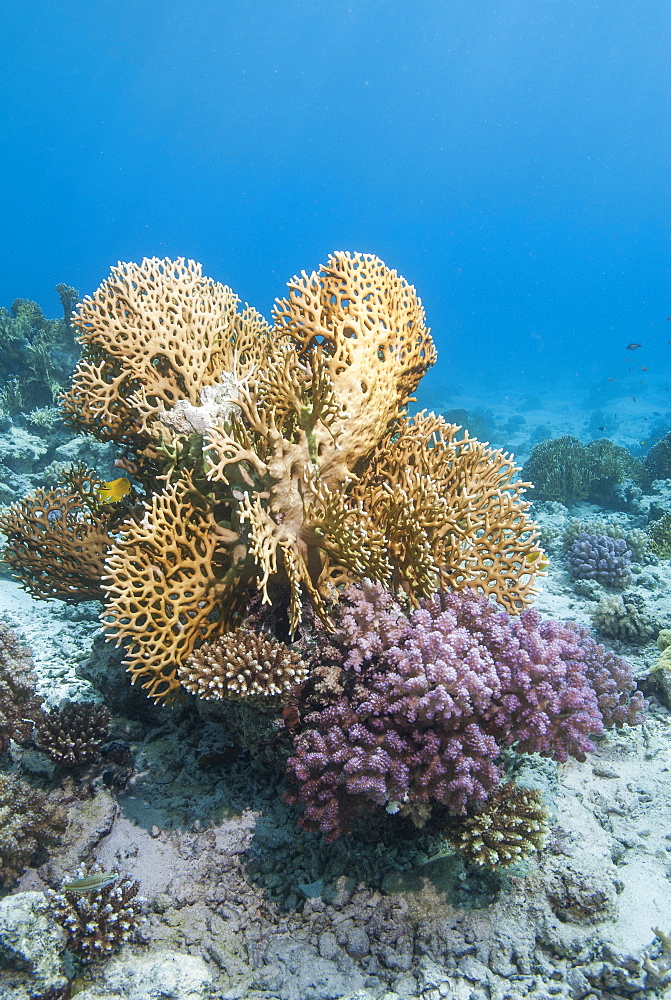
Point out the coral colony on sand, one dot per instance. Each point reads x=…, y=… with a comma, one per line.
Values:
x=396, y=649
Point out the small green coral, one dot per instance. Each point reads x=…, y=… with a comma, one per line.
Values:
x=37, y=356
x=657, y=463
x=563, y=469
x=659, y=535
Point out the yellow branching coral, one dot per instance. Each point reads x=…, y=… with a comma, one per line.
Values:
x=57, y=540
x=162, y=587
x=155, y=335
x=281, y=460
x=452, y=512
x=242, y=664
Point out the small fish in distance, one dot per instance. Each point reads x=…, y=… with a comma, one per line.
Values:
x=633, y=347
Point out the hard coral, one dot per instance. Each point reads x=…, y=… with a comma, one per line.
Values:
x=281, y=461
x=625, y=617
x=659, y=533
x=507, y=828
x=57, y=540
x=241, y=664
x=420, y=714
x=74, y=734
x=19, y=706
x=601, y=558
x=29, y=820
x=564, y=469
x=98, y=922
x=154, y=336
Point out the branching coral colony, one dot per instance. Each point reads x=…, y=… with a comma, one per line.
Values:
x=282, y=461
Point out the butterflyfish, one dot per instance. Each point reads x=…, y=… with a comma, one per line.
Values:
x=114, y=491
x=537, y=557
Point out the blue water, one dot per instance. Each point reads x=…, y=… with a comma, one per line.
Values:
x=509, y=157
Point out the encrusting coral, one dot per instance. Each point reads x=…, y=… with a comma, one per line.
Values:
x=242, y=664
x=507, y=828
x=29, y=820
x=275, y=460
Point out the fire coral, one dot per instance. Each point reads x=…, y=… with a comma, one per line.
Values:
x=281, y=460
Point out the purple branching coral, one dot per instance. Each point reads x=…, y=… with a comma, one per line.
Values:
x=420, y=708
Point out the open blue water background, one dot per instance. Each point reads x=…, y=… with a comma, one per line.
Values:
x=509, y=157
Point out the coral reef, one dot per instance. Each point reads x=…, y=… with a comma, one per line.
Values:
x=424, y=720
x=29, y=821
x=601, y=558
x=507, y=828
x=242, y=664
x=19, y=705
x=98, y=922
x=277, y=461
x=624, y=617
x=564, y=469
x=74, y=734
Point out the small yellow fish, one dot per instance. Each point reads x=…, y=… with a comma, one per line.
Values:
x=90, y=883
x=114, y=491
x=538, y=557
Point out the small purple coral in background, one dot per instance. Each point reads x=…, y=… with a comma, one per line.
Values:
x=600, y=557
x=426, y=703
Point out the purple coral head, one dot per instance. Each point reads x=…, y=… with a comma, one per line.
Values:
x=427, y=703
x=600, y=557
x=541, y=701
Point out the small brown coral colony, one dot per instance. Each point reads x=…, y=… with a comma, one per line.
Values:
x=19, y=705
x=507, y=828
x=29, y=820
x=73, y=735
x=98, y=922
x=278, y=460
x=241, y=664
